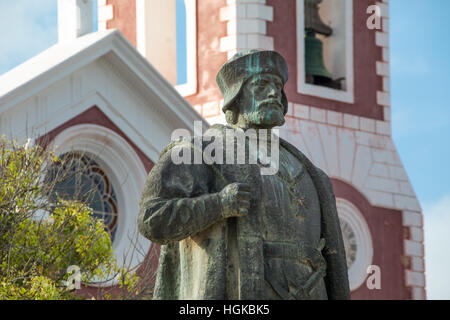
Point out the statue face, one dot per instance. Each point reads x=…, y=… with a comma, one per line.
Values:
x=260, y=102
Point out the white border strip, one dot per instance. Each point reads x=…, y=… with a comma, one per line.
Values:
x=324, y=92
x=190, y=87
x=364, y=254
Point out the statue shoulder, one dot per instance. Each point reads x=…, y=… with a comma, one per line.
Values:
x=190, y=142
x=217, y=129
x=321, y=179
x=324, y=177
x=179, y=143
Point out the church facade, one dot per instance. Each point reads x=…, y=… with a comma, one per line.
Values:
x=119, y=92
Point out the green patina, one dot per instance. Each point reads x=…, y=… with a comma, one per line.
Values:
x=228, y=232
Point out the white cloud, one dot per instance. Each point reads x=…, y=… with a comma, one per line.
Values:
x=437, y=248
x=27, y=27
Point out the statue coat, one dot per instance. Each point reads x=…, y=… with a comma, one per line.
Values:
x=204, y=256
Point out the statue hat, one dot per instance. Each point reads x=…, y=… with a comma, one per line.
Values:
x=244, y=65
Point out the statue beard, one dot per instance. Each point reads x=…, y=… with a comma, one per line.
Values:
x=268, y=114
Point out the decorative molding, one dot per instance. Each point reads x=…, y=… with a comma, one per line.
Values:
x=127, y=174
x=412, y=213
x=246, y=29
x=353, y=219
x=361, y=152
x=246, y=26
x=353, y=149
x=111, y=45
x=105, y=13
x=383, y=66
x=414, y=251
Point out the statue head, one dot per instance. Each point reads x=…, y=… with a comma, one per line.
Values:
x=252, y=86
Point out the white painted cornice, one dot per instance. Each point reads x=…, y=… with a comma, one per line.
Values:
x=63, y=59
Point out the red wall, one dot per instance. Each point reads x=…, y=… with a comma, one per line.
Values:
x=387, y=233
x=95, y=116
x=209, y=58
x=209, y=31
x=385, y=224
x=124, y=18
x=284, y=31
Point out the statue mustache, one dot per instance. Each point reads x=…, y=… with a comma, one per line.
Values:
x=270, y=101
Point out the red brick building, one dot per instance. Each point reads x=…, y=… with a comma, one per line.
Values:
x=346, y=131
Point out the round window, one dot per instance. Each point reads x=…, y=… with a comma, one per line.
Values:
x=350, y=244
x=357, y=242
x=79, y=177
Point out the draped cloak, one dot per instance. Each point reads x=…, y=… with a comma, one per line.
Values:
x=204, y=256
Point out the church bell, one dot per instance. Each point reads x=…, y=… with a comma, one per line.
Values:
x=314, y=57
x=315, y=70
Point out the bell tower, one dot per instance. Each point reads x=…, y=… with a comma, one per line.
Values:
x=339, y=108
x=315, y=70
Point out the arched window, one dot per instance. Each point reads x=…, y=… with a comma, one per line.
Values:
x=80, y=177
x=113, y=166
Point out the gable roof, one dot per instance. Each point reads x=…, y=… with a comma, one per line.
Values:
x=62, y=59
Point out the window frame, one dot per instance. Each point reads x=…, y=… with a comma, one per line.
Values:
x=351, y=215
x=320, y=91
x=126, y=173
x=190, y=87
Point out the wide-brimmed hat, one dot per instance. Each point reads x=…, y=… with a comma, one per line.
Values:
x=244, y=65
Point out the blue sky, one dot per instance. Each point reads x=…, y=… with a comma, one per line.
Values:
x=420, y=47
x=420, y=91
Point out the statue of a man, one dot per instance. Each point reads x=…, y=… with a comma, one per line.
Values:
x=229, y=232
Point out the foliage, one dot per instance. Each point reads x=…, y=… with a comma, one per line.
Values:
x=40, y=238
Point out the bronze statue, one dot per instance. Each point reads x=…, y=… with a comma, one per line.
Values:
x=229, y=232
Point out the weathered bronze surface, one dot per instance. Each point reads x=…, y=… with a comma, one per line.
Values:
x=229, y=232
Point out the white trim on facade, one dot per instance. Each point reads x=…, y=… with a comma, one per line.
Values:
x=104, y=14
x=190, y=87
x=104, y=70
x=411, y=214
x=127, y=175
x=348, y=213
x=319, y=91
x=54, y=64
x=354, y=150
x=246, y=26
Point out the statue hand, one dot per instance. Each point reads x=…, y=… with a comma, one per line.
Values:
x=235, y=199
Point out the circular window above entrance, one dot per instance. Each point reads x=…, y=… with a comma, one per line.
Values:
x=357, y=242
